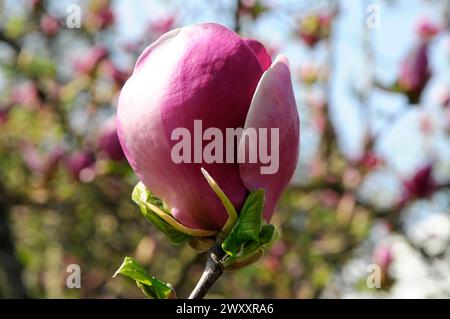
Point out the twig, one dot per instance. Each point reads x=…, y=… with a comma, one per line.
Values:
x=12, y=43
x=237, y=17
x=213, y=270
x=329, y=135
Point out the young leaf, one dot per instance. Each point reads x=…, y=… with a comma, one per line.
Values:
x=267, y=235
x=248, y=226
x=253, y=250
x=150, y=286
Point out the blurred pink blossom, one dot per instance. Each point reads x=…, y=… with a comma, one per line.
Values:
x=252, y=8
x=162, y=25
x=315, y=27
x=25, y=94
x=108, y=141
x=49, y=25
x=329, y=198
x=117, y=75
x=105, y=17
x=427, y=28
x=42, y=164
x=370, y=160
x=80, y=165
x=383, y=256
x=90, y=60
x=421, y=184
x=415, y=73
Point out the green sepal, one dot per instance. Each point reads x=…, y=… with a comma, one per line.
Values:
x=141, y=196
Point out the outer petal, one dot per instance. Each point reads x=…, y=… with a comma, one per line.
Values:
x=204, y=72
x=273, y=106
x=261, y=53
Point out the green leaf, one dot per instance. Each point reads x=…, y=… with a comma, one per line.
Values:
x=141, y=195
x=150, y=286
x=253, y=250
x=249, y=238
x=265, y=238
x=267, y=235
x=248, y=226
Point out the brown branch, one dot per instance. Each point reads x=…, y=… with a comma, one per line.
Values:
x=329, y=137
x=237, y=17
x=213, y=270
x=12, y=43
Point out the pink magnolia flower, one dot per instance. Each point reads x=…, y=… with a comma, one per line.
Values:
x=415, y=73
x=206, y=72
x=108, y=141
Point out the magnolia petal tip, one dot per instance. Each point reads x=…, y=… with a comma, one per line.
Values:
x=281, y=58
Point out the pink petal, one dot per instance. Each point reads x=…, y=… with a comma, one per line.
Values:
x=261, y=53
x=273, y=106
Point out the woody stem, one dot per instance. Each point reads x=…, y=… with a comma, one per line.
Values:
x=213, y=270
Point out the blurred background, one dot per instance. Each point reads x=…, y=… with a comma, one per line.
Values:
x=372, y=83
